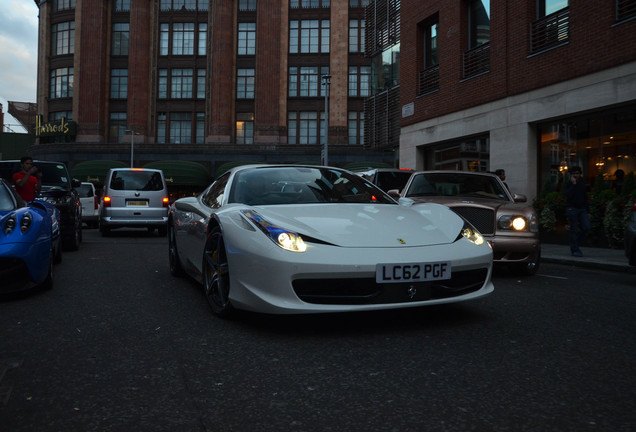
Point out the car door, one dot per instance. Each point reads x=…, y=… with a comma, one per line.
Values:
x=193, y=220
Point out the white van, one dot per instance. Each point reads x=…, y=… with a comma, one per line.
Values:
x=90, y=204
x=134, y=197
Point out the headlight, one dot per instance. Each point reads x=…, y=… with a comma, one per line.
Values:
x=515, y=223
x=285, y=239
x=26, y=222
x=9, y=224
x=471, y=234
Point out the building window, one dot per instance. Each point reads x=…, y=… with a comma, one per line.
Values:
x=203, y=38
x=600, y=142
x=431, y=57
x=295, y=4
x=59, y=5
x=61, y=83
x=428, y=75
x=476, y=59
x=180, y=128
x=246, y=39
x=359, y=81
x=552, y=28
x=63, y=38
x=59, y=115
x=161, y=128
x=245, y=83
x=122, y=5
x=200, y=83
x=466, y=154
x=309, y=36
x=117, y=126
x=625, y=9
x=547, y=7
x=183, y=39
x=245, y=128
x=121, y=37
x=304, y=127
x=305, y=81
x=164, y=39
x=478, y=23
x=162, y=86
x=190, y=5
x=181, y=83
x=200, y=128
x=358, y=3
x=385, y=69
x=356, y=36
x=119, y=84
x=355, y=125
x=247, y=5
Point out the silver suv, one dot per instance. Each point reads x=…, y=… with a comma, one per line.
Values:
x=134, y=197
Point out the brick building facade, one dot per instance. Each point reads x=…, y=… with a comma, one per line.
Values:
x=213, y=82
x=532, y=86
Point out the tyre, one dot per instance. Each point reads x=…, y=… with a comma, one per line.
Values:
x=216, y=275
x=71, y=242
x=48, y=282
x=173, y=254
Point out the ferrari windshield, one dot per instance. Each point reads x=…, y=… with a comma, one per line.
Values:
x=456, y=184
x=303, y=185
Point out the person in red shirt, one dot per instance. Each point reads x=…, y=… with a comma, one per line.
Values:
x=27, y=183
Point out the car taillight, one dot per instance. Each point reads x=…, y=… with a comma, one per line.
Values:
x=106, y=201
x=166, y=201
x=634, y=208
x=96, y=202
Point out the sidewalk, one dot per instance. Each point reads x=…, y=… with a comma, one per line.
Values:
x=607, y=259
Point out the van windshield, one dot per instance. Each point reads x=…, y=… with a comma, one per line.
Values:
x=136, y=180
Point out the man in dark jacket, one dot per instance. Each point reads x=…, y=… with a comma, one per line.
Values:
x=577, y=209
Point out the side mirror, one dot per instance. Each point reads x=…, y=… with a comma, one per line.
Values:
x=519, y=198
x=394, y=193
x=406, y=202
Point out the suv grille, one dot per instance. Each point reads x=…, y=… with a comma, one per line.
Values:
x=482, y=219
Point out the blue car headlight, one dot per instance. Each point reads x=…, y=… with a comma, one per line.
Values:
x=283, y=238
x=10, y=224
x=26, y=222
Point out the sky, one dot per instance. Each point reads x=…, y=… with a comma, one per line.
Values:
x=18, y=55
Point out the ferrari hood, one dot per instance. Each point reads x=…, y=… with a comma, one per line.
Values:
x=367, y=225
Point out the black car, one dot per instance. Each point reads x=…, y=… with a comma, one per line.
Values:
x=58, y=189
x=386, y=178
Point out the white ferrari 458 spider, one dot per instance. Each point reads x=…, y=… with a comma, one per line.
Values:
x=288, y=239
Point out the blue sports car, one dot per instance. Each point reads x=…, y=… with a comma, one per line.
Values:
x=29, y=241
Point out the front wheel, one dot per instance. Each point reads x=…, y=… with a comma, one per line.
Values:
x=216, y=275
x=173, y=254
x=47, y=284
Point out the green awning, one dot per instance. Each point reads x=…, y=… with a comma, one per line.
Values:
x=182, y=173
x=95, y=171
x=229, y=165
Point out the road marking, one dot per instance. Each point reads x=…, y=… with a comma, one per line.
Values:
x=553, y=277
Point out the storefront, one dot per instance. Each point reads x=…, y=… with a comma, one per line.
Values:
x=601, y=143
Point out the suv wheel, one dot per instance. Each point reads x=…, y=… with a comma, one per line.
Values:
x=72, y=242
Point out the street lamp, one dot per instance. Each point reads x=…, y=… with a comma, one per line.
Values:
x=132, y=144
x=325, y=147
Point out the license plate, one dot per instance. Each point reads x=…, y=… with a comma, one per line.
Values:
x=412, y=272
x=138, y=203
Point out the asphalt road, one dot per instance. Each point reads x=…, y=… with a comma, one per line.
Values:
x=120, y=345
